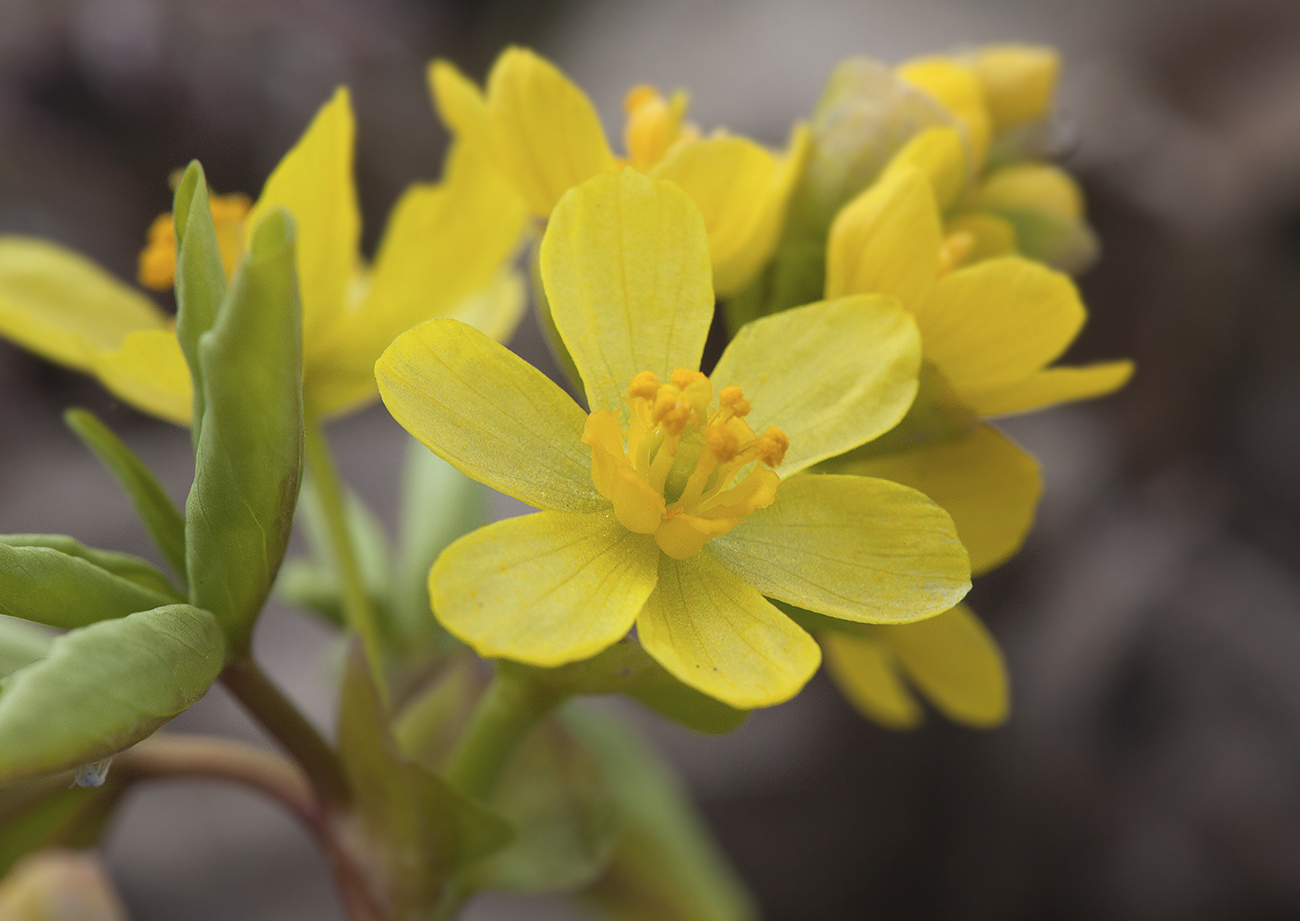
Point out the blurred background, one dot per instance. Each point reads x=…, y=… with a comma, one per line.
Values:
x=1151, y=768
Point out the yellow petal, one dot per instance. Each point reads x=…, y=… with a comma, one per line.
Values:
x=831, y=375
x=720, y=636
x=995, y=323
x=314, y=181
x=1019, y=82
x=866, y=672
x=462, y=108
x=64, y=307
x=954, y=661
x=443, y=250
x=546, y=589
x=959, y=91
x=1035, y=186
x=886, y=241
x=489, y=414
x=937, y=152
x=548, y=136
x=852, y=547
x=741, y=189
x=986, y=483
x=496, y=310
x=625, y=263
x=150, y=373
x=1052, y=386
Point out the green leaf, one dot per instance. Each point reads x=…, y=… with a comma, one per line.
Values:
x=105, y=687
x=21, y=644
x=419, y=831
x=200, y=277
x=566, y=820
x=159, y=514
x=46, y=812
x=132, y=568
x=667, y=867
x=439, y=504
x=248, y=462
x=52, y=587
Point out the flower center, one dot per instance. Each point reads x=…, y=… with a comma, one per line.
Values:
x=680, y=471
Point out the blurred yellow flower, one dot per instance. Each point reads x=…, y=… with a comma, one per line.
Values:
x=545, y=137
x=443, y=253
x=671, y=515
x=990, y=327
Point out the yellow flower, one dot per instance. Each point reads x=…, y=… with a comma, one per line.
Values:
x=989, y=331
x=545, y=137
x=1001, y=97
x=442, y=254
x=661, y=509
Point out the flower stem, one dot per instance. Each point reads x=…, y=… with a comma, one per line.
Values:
x=359, y=611
x=277, y=714
x=504, y=715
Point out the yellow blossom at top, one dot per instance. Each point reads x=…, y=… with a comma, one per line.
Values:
x=442, y=253
x=677, y=504
x=545, y=137
x=999, y=96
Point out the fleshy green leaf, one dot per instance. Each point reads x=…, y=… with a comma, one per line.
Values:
x=21, y=644
x=420, y=831
x=249, y=457
x=52, y=587
x=130, y=568
x=105, y=687
x=159, y=514
x=557, y=798
x=200, y=277
x=666, y=867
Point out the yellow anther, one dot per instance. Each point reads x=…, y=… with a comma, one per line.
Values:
x=675, y=420
x=956, y=248
x=638, y=96
x=665, y=399
x=772, y=446
x=644, y=386
x=157, y=265
x=679, y=471
x=723, y=442
x=684, y=377
x=733, y=398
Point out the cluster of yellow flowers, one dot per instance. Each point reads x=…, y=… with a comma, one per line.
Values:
x=827, y=488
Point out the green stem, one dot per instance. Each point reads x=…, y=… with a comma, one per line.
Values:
x=504, y=715
x=203, y=757
x=287, y=725
x=357, y=608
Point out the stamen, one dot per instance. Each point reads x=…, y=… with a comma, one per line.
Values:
x=686, y=459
